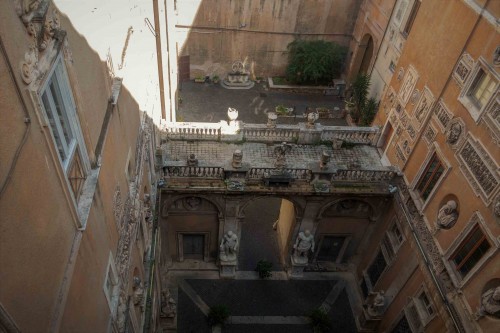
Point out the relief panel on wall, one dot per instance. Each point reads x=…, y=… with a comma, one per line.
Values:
x=423, y=107
x=409, y=82
x=479, y=169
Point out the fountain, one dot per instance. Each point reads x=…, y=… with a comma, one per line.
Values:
x=239, y=78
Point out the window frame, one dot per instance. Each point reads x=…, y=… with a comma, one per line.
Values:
x=475, y=109
x=475, y=220
x=433, y=149
x=76, y=164
x=115, y=282
x=410, y=19
x=423, y=309
x=423, y=184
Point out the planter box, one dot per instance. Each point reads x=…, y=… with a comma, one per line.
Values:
x=202, y=80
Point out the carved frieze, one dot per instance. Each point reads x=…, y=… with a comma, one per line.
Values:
x=491, y=118
x=423, y=106
x=430, y=134
x=479, y=169
x=407, y=86
x=463, y=69
x=117, y=204
x=442, y=115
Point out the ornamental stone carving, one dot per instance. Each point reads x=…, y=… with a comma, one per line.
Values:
x=280, y=152
x=490, y=303
x=455, y=131
x=168, y=308
x=376, y=304
x=303, y=244
x=29, y=70
x=237, y=159
x=192, y=161
x=138, y=289
x=496, y=207
x=229, y=246
x=447, y=215
x=325, y=158
x=410, y=79
x=192, y=203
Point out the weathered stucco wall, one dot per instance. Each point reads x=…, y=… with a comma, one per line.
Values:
x=39, y=239
x=214, y=33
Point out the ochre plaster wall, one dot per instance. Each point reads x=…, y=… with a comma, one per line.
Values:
x=286, y=223
x=214, y=33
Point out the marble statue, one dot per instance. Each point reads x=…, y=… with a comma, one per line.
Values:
x=237, y=159
x=192, y=161
x=304, y=243
x=377, y=304
x=490, y=303
x=325, y=158
x=280, y=151
x=138, y=291
x=229, y=246
x=447, y=215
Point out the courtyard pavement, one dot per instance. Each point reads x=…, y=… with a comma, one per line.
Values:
x=208, y=102
x=275, y=305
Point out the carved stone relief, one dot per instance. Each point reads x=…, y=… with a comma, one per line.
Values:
x=463, y=69
x=491, y=118
x=401, y=73
x=192, y=203
x=496, y=207
x=415, y=96
x=407, y=86
x=442, y=115
x=479, y=169
x=117, y=204
x=455, y=132
x=423, y=106
x=496, y=56
x=430, y=134
x=490, y=303
x=43, y=26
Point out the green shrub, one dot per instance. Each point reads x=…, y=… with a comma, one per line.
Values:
x=314, y=61
x=264, y=269
x=368, y=112
x=320, y=320
x=218, y=315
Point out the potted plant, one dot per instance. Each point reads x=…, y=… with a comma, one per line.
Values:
x=359, y=97
x=218, y=315
x=199, y=79
x=215, y=79
x=320, y=321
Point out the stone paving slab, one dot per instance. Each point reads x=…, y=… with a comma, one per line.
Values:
x=209, y=103
x=341, y=315
x=261, y=155
x=189, y=317
x=262, y=297
x=267, y=329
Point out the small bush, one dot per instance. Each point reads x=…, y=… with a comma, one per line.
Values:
x=320, y=320
x=264, y=269
x=218, y=315
x=368, y=112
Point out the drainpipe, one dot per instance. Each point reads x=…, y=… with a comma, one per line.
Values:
x=159, y=58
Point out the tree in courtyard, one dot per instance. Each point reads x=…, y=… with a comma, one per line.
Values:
x=315, y=61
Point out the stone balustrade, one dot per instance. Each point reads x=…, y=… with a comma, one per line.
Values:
x=363, y=175
x=299, y=133
x=358, y=135
x=261, y=133
x=193, y=131
x=295, y=174
x=193, y=172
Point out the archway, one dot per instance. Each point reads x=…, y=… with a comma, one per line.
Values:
x=367, y=44
x=189, y=230
x=341, y=228
x=266, y=230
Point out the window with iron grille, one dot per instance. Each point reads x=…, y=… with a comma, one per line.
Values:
x=470, y=251
x=411, y=18
x=430, y=176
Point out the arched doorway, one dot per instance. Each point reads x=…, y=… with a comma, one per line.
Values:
x=265, y=232
x=367, y=45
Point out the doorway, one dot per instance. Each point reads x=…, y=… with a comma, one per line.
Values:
x=265, y=232
x=193, y=246
x=332, y=248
